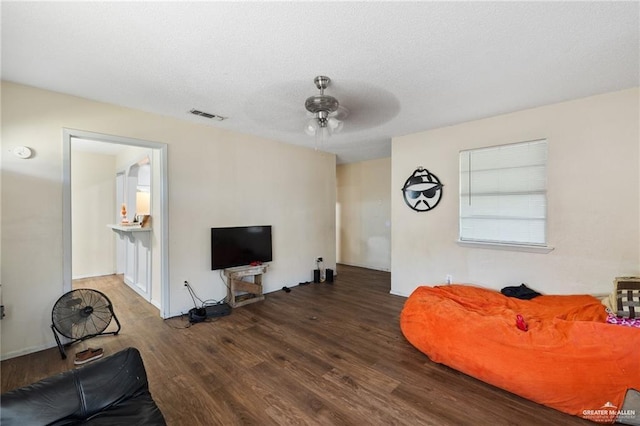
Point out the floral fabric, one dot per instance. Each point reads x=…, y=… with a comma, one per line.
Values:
x=629, y=322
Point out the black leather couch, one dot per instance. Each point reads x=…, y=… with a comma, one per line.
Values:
x=110, y=391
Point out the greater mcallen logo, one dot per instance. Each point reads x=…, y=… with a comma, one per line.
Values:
x=607, y=411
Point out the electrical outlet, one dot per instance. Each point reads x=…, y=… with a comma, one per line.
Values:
x=449, y=279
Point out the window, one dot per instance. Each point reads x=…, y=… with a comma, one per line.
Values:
x=503, y=194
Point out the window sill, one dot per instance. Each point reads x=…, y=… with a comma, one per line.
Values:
x=503, y=246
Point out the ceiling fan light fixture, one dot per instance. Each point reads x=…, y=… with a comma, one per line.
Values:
x=312, y=127
x=335, y=125
x=322, y=106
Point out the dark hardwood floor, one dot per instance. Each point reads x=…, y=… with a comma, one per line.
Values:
x=323, y=354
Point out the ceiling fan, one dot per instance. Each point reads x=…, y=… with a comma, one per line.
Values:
x=324, y=110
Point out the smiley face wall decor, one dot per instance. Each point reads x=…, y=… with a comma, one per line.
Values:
x=422, y=191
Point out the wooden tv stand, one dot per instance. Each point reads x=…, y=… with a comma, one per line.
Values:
x=250, y=291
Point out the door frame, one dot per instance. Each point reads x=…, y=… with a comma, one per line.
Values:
x=161, y=149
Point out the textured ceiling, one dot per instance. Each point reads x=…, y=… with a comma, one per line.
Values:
x=397, y=67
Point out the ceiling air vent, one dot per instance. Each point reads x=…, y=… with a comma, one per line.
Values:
x=207, y=115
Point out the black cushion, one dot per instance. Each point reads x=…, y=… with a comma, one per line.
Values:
x=109, y=391
x=520, y=292
x=139, y=410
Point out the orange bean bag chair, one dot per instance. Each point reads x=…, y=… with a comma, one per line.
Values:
x=569, y=358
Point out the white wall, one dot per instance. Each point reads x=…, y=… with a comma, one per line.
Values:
x=92, y=207
x=593, y=204
x=364, y=214
x=216, y=178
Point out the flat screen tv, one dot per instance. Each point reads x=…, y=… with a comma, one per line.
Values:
x=240, y=245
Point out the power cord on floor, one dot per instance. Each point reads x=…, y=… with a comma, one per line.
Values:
x=186, y=322
x=186, y=325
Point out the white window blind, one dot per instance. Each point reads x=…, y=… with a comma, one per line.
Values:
x=503, y=194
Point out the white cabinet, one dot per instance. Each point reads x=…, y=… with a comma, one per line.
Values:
x=137, y=254
x=143, y=264
x=133, y=242
x=129, y=258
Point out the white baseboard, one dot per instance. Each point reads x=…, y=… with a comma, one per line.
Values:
x=359, y=265
x=97, y=274
x=26, y=351
x=395, y=293
x=177, y=314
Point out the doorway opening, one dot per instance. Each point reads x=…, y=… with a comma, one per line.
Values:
x=157, y=235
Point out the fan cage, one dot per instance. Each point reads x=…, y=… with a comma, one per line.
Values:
x=81, y=314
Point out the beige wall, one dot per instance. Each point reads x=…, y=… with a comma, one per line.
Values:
x=92, y=208
x=364, y=214
x=215, y=178
x=593, y=205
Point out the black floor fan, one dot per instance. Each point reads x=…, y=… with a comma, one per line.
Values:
x=81, y=314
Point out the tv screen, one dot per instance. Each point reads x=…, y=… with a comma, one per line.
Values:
x=239, y=246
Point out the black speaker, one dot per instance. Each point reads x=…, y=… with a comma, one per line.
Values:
x=316, y=275
x=329, y=275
